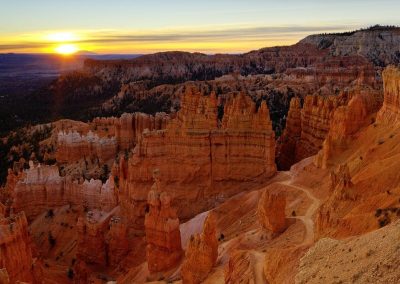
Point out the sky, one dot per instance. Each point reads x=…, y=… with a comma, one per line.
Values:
x=209, y=26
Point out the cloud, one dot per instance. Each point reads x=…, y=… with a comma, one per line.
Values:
x=22, y=46
x=206, y=38
x=236, y=34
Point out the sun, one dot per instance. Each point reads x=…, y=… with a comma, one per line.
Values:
x=66, y=49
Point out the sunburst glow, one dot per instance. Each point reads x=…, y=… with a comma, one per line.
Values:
x=62, y=37
x=66, y=49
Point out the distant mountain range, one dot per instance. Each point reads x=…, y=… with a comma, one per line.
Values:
x=17, y=64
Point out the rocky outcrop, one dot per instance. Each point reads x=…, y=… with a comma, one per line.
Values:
x=15, y=250
x=287, y=143
x=117, y=241
x=209, y=156
x=390, y=111
x=201, y=253
x=271, y=212
x=164, y=249
x=92, y=230
x=41, y=188
x=73, y=146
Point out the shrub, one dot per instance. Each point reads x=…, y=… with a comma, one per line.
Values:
x=52, y=240
x=70, y=273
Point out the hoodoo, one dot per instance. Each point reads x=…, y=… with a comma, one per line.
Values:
x=163, y=238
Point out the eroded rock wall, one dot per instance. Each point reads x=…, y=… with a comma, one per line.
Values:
x=204, y=156
x=41, y=188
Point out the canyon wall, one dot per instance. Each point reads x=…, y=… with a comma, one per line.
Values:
x=325, y=120
x=316, y=117
x=41, y=188
x=306, y=128
x=212, y=158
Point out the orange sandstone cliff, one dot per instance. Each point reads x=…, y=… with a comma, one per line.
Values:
x=207, y=161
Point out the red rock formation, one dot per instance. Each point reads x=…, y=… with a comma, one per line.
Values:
x=208, y=156
x=117, y=241
x=287, y=143
x=7, y=192
x=73, y=146
x=201, y=253
x=342, y=192
x=271, y=212
x=390, y=112
x=91, y=247
x=316, y=117
x=15, y=249
x=347, y=120
x=128, y=128
x=337, y=71
x=164, y=249
x=41, y=188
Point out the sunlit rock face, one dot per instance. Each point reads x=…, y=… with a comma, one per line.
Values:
x=379, y=45
x=206, y=159
x=164, y=248
x=271, y=212
x=390, y=112
x=201, y=253
x=346, y=121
